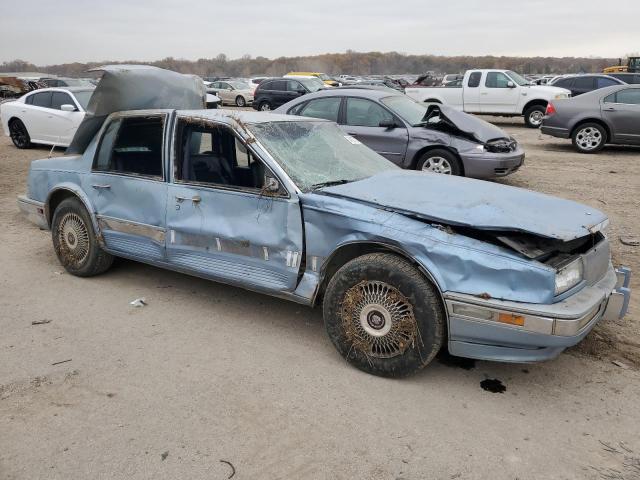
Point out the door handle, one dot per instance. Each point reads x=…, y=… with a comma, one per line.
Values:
x=610, y=109
x=194, y=199
x=97, y=187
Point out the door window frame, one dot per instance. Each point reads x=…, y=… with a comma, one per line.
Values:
x=122, y=116
x=342, y=116
x=284, y=192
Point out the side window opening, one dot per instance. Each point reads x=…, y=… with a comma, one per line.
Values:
x=474, y=79
x=496, y=80
x=60, y=98
x=214, y=155
x=132, y=146
x=365, y=113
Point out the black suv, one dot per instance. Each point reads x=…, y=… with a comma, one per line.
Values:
x=273, y=92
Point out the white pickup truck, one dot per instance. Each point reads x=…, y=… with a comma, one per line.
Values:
x=494, y=92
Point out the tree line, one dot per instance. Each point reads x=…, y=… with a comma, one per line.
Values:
x=350, y=62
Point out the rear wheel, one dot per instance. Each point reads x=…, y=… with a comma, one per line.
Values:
x=383, y=315
x=533, y=116
x=240, y=101
x=589, y=138
x=19, y=134
x=439, y=161
x=265, y=106
x=75, y=241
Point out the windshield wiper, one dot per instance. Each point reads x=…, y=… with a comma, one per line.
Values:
x=330, y=183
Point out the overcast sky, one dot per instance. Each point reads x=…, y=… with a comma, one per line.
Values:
x=46, y=32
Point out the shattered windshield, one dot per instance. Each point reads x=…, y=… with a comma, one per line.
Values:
x=316, y=154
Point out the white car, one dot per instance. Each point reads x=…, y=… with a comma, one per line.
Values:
x=48, y=116
x=494, y=92
x=233, y=92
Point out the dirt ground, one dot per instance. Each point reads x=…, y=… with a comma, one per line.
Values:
x=208, y=380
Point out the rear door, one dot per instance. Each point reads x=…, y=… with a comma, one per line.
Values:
x=362, y=118
x=127, y=186
x=621, y=110
x=496, y=96
x=35, y=115
x=221, y=221
x=471, y=92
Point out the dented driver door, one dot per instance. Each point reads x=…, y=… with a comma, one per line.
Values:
x=222, y=222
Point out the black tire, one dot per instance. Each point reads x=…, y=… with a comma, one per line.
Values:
x=265, y=106
x=240, y=101
x=19, y=134
x=75, y=241
x=533, y=116
x=589, y=138
x=439, y=161
x=404, y=339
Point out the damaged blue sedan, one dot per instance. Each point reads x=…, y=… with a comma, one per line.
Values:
x=403, y=263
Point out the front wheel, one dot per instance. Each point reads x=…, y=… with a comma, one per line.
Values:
x=589, y=138
x=240, y=101
x=383, y=315
x=439, y=161
x=19, y=134
x=75, y=241
x=533, y=116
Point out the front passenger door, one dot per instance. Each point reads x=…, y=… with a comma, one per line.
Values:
x=362, y=119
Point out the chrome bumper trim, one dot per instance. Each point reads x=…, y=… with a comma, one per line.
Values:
x=608, y=299
x=33, y=211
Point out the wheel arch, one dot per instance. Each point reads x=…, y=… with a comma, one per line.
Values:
x=354, y=249
x=62, y=192
x=535, y=101
x=427, y=148
x=599, y=121
x=433, y=100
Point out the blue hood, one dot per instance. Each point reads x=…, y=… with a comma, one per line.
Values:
x=478, y=204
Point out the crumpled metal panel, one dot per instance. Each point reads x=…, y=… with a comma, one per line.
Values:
x=456, y=263
x=136, y=87
x=473, y=203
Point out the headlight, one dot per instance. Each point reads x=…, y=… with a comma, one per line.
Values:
x=561, y=95
x=480, y=148
x=569, y=276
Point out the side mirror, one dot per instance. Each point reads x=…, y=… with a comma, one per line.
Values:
x=68, y=108
x=271, y=185
x=301, y=91
x=387, y=124
x=511, y=85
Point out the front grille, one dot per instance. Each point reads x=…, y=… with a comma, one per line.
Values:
x=501, y=145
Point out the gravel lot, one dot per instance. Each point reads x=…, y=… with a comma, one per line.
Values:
x=209, y=379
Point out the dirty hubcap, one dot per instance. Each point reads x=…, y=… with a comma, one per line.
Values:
x=378, y=320
x=437, y=165
x=264, y=107
x=589, y=138
x=73, y=239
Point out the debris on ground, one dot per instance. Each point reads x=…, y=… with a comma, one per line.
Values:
x=630, y=241
x=620, y=364
x=62, y=361
x=164, y=455
x=40, y=322
x=138, y=302
x=233, y=469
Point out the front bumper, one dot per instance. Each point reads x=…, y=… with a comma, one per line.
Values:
x=491, y=165
x=534, y=332
x=34, y=211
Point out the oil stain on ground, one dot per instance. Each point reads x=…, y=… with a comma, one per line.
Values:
x=493, y=385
